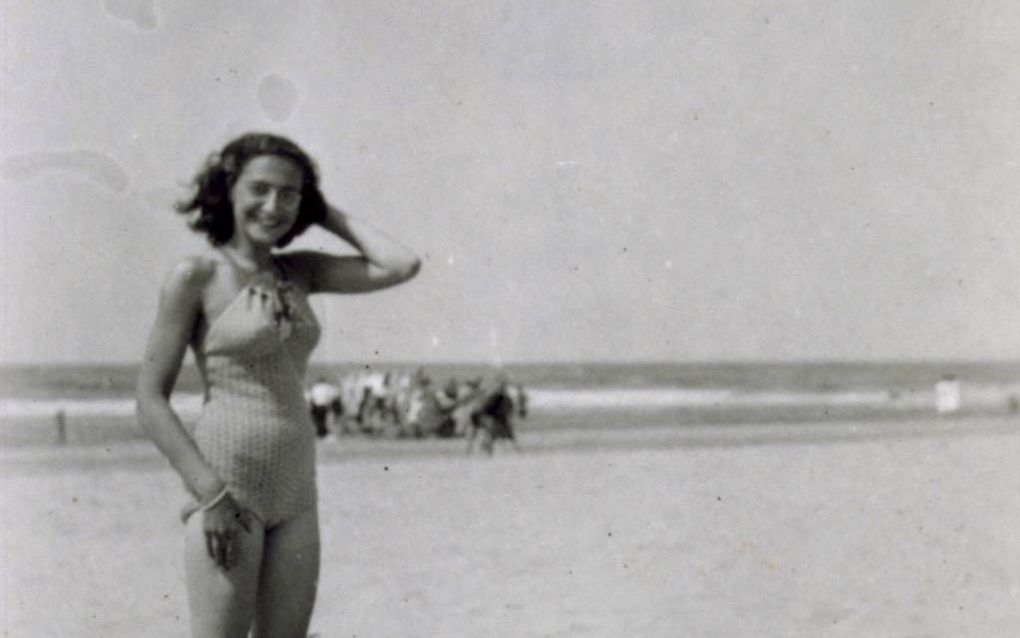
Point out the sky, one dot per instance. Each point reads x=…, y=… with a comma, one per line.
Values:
x=607, y=180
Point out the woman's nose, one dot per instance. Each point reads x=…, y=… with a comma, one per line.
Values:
x=270, y=201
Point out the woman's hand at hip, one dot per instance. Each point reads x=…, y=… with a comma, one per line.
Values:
x=222, y=524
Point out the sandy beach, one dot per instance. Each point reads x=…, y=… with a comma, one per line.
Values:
x=837, y=529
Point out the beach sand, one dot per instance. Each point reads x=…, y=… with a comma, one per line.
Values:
x=847, y=529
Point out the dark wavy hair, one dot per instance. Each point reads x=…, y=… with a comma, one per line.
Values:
x=210, y=207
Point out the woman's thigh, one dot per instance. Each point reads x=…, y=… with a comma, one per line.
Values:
x=222, y=601
x=289, y=577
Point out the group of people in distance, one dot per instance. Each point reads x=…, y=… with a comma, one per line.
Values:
x=404, y=405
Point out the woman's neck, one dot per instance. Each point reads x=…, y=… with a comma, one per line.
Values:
x=249, y=259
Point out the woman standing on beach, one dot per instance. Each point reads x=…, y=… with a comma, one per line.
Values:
x=252, y=534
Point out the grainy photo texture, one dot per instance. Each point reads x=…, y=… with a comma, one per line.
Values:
x=513, y=319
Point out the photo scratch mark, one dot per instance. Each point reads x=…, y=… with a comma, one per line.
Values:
x=141, y=13
x=97, y=167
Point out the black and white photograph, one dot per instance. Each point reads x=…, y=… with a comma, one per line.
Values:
x=534, y=319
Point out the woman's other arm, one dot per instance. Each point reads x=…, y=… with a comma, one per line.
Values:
x=180, y=305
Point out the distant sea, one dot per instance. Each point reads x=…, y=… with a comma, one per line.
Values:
x=596, y=394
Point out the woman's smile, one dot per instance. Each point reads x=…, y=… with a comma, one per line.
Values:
x=273, y=223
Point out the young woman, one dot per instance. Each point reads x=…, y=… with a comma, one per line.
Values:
x=252, y=536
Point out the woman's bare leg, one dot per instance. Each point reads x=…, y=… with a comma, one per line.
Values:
x=289, y=578
x=222, y=601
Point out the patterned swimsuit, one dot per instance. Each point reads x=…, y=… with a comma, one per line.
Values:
x=255, y=428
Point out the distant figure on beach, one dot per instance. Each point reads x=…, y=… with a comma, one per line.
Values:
x=61, y=423
x=371, y=415
x=465, y=394
x=421, y=406
x=947, y=395
x=435, y=417
x=493, y=419
x=326, y=406
x=251, y=528
x=520, y=398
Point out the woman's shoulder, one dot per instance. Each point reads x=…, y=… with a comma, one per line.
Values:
x=190, y=275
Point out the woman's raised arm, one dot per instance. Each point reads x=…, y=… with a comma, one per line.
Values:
x=383, y=261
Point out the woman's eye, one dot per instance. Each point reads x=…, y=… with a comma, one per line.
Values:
x=259, y=189
x=290, y=198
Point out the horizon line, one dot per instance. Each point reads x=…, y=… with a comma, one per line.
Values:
x=564, y=362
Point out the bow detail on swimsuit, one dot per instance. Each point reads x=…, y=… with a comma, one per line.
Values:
x=276, y=303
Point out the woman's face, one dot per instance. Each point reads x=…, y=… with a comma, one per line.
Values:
x=266, y=198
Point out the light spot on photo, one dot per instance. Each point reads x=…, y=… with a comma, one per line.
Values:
x=277, y=96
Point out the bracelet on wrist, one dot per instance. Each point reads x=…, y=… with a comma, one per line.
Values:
x=215, y=500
